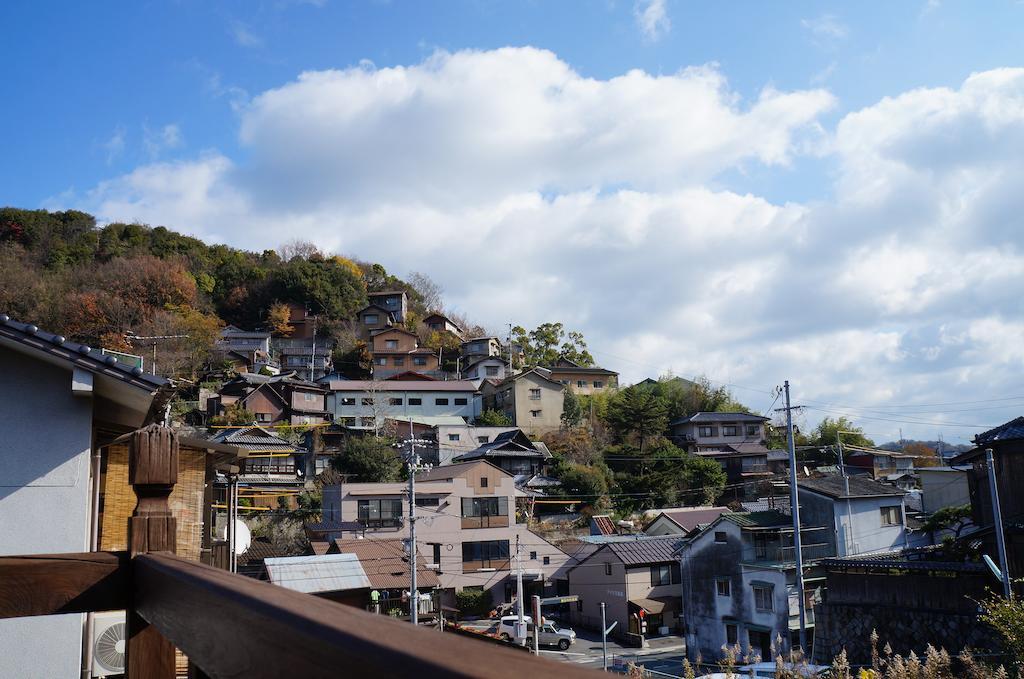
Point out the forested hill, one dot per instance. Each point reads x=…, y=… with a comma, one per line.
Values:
x=62, y=272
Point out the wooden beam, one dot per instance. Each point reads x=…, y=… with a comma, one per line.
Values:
x=49, y=584
x=232, y=626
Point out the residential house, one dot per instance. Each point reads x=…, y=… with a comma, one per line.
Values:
x=638, y=580
x=338, y=577
x=368, y=404
x=247, y=349
x=440, y=323
x=456, y=439
x=273, y=467
x=681, y=520
x=532, y=401
x=273, y=399
x=386, y=564
x=735, y=440
x=396, y=351
x=480, y=347
x=479, y=369
x=467, y=528
x=583, y=380
x=739, y=582
x=944, y=487
x=396, y=302
x=512, y=451
x=862, y=516
x=1007, y=444
x=878, y=464
x=372, y=318
x=308, y=358
x=62, y=402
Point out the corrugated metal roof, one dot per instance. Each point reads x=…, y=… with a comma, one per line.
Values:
x=720, y=417
x=317, y=573
x=767, y=519
x=645, y=551
x=690, y=518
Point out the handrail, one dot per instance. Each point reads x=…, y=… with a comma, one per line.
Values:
x=232, y=626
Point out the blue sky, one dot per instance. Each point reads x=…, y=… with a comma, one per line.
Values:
x=854, y=159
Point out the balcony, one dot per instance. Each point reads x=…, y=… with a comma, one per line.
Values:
x=228, y=625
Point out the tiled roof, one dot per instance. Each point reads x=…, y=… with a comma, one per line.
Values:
x=255, y=439
x=644, y=551
x=576, y=370
x=451, y=471
x=1014, y=429
x=766, y=519
x=719, y=417
x=385, y=564
x=601, y=524
x=690, y=517
x=833, y=486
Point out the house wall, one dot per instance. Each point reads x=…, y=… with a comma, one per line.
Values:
x=860, y=526
x=574, y=380
x=663, y=526
x=592, y=585
x=468, y=439
x=444, y=525
x=405, y=341
x=383, y=409
x=549, y=404
x=266, y=408
x=479, y=370
x=943, y=489
x=484, y=346
x=817, y=510
x=44, y=501
x=692, y=431
x=638, y=585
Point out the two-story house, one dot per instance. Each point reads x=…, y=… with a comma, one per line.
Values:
x=878, y=464
x=274, y=468
x=308, y=357
x=368, y=404
x=512, y=451
x=250, y=348
x=739, y=582
x=735, y=440
x=480, y=347
x=460, y=438
x=638, y=580
x=862, y=516
x=396, y=351
x=372, y=318
x=531, y=400
x=467, y=528
x=273, y=399
x=484, y=368
x=583, y=380
x=437, y=322
x=395, y=301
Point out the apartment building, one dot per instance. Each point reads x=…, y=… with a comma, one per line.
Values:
x=467, y=528
x=368, y=404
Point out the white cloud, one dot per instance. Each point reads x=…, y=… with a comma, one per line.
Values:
x=156, y=141
x=532, y=194
x=825, y=28
x=652, y=18
x=243, y=35
x=114, y=145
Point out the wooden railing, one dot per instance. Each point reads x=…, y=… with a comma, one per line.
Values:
x=229, y=625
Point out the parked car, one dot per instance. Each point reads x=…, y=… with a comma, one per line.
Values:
x=550, y=633
x=766, y=670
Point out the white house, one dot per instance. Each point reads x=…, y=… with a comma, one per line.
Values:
x=863, y=516
x=366, y=404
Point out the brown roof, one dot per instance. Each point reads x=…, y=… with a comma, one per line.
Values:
x=319, y=547
x=384, y=563
x=690, y=517
x=411, y=385
x=451, y=471
x=603, y=524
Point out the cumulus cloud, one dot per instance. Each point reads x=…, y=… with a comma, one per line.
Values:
x=532, y=193
x=652, y=18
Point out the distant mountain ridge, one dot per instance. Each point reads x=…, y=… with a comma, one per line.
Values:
x=943, y=448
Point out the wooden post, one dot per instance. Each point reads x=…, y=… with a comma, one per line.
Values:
x=152, y=471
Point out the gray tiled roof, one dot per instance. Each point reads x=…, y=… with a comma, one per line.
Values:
x=646, y=550
x=720, y=417
x=255, y=439
x=1014, y=429
x=860, y=486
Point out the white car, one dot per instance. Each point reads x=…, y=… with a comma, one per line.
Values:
x=766, y=670
x=550, y=633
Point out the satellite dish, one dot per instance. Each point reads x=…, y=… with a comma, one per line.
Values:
x=243, y=537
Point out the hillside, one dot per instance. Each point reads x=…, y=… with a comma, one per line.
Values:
x=94, y=284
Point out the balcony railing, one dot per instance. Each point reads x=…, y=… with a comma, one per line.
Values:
x=226, y=624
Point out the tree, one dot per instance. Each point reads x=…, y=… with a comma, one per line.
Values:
x=923, y=455
x=1006, y=617
x=429, y=291
x=638, y=412
x=571, y=413
x=279, y=319
x=298, y=249
x=330, y=288
x=493, y=418
x=663, y=476
x=547, y=343
x=587, y=482
x=949, y=518
x=369, y=460
x=234, y=414
x=825, y=433
x=577, y=445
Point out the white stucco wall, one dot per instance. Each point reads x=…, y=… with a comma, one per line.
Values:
x=44, y=499
x=859, y=526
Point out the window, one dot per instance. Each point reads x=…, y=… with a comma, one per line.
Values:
x=732, y=636
x=395, y=401
x=760, y=547
x=437, y=553
x=461, y=401
x=533, y=556
x=483, y=439
x=547, y=561
x=720, y=537
x=581, y=383
x=380, y=513
x=428, y=502
x=483, y=481
x=381, y=360
x=707, y=432
x=263, y=417
x=390, y=344
x=367, y=401
x=891, y=516
x=535, y=413
x=753, y=430
x=535, y=394
x=454, y=437
x=415, y=401
x=371, y=319
x=306, y=396
x=399, y=360
x=348, y=401
x=607, y=569
x=419, y=360
x=723, y=587
x=598, y=384
x=730, y=430
x=490, y=553
x=661, y=575
x=440, y=401
x=763, y=597
x=491, y=370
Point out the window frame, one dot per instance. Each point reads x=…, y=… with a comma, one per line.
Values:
x=766, y=593
x=440, y=401
x=723, y=587
x=730, y=430
x=895, y=510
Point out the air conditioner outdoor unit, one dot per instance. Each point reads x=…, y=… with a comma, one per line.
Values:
x=108, y=643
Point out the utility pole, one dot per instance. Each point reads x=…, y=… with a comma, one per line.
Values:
x=520, y=625
x=312, y=357
x=997, y=517
x=795, y=508
x=604, y=640
x=537, y=620
x=414, y=466
x=510, y=369
x=850, y=548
